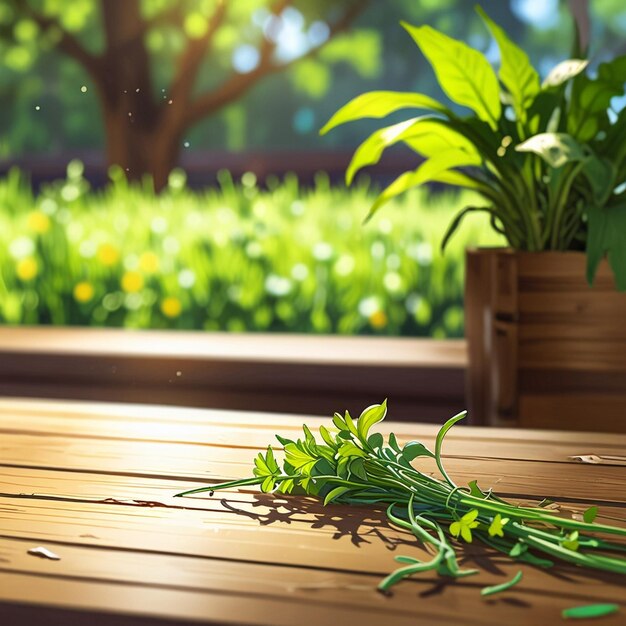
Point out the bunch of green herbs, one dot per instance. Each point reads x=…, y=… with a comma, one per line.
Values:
x=352, y=465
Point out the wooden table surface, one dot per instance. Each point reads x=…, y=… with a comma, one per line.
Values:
x=94, y=483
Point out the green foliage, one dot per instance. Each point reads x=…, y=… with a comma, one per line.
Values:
x=348, y=469
x=549, y=162
x=589, y=611
x=237, y=258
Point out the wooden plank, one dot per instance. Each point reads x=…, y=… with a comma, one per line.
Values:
x=135, y=421
x=142, y=491
x=249, y=347
x=593, y=355
x=335, y=592
x=189, y=458
x=238, y=371
x=577, y=410
x=522, y=478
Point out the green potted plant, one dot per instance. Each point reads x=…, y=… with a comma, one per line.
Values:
x=548, y=159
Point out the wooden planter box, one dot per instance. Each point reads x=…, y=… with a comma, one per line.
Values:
x=545, y=349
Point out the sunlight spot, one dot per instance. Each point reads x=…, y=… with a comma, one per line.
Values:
x=245, y=58
x=318, y=33
x=84, y=89
x=542, y=14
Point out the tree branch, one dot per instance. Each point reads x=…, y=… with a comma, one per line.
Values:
x=191, y=59
x=238, y=84
x=68, y=44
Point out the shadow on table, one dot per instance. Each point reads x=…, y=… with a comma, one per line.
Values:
x=367, y=525
x=361, y=525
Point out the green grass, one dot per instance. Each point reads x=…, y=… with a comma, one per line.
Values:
x=236, y=258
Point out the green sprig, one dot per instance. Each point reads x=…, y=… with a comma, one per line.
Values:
x=351, y=465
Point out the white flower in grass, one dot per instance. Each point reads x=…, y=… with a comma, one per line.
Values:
x=322, y=251
x=186, y=278
x=277, y=285
x=368, y=306
x=21, y=247
x=345, y=265
x=299, y=272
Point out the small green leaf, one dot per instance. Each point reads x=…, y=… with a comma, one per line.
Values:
x=349, y=449
x=465, y=525
x=590, y=610
x=370, y=416
x=327, y=437
x=375, y=441
x=571, y=543
x=283, y=441
x=339, y=422
x=518, y=549
x=475, y=490
x=350, y=423
x=413, y=449
x=379, y=104
x=268, y=484
x=590, y=514
x=562, y=72
x=357, y=468
x=489, y=591
x=334, y=494
x=496, y=528
x=393, y=442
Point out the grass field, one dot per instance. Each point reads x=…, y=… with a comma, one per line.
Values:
x=236, y=258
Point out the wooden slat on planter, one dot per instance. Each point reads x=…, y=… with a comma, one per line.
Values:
x=545, y=348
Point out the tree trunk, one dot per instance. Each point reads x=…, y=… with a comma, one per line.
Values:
x=140, y=148
x=141, y=137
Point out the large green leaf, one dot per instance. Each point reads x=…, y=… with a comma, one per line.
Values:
x=591, y=97
x=516, y=73
x=463, y=73
x=600, y=174
x=607, y=235
x=370, y=151
x=379, y=104
x=434, y=169
x=562, y=72
x=426, y=135
x=556, y=149
x=434, y=136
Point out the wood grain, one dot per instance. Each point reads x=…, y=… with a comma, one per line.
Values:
x=538, y=334
x=95, y=484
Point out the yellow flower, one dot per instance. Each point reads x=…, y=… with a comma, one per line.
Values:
x=83, y=291
x=38, y=222
x=378, y=319
x=108, y=254
x=171, y=307
x=27, y=268
x=132, y=282
x=149, y=262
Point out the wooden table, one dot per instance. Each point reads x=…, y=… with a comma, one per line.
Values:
x=94, y=483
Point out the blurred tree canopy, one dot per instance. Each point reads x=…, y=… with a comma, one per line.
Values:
x=145, y=78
